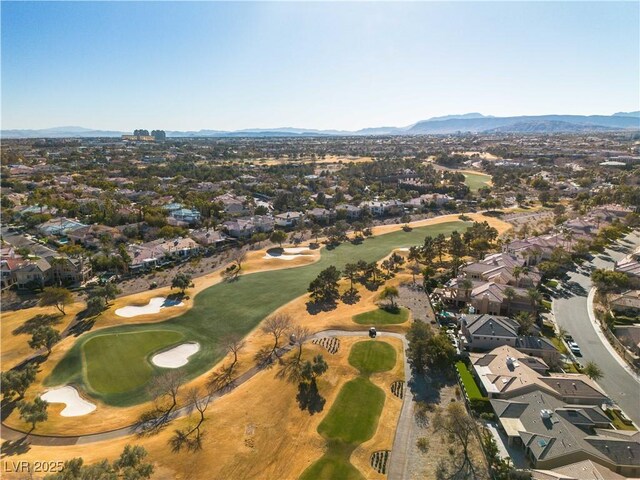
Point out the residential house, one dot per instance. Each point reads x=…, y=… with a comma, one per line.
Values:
x=34, y=274
x=208, y=237
x=506, y=372
x=321, y=215
x=90, y=235
x=585, y=470
x=352, y=212
x=381, y=208
x=288, y=219
x=626, y=303
x=233, y=204
x=553, y=434
x=245, y=227
x=486, y=332
x=69, y=270
x=59, y=227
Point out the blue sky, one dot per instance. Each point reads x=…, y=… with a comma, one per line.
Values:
x=187, y=66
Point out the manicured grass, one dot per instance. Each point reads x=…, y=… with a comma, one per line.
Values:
x=372, y=356
x=229, y=308
x=106, y=358
x=475, y=181
x=551, y=283
x=470, y=385
x=617, y=421
x=354, y=415
x=333, y=465
x=380, y=316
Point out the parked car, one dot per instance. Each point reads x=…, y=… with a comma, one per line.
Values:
x=372, y=332
x=575, y=349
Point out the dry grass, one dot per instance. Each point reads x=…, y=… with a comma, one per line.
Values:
x=107, y=417
x=257, y=431
x=15, y=347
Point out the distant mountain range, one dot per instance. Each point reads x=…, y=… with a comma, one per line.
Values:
x=465, y=123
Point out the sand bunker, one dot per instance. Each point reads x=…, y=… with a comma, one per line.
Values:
x=286, y=253
x=175, y=357
x=154, y=306
x=76, y=406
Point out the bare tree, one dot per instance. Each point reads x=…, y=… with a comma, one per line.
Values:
x=277, y=325
x=300, y=334
x=460, y=428
x=233, y=344
x=191, y=436
x=165, y=386
x=239, y=257
x=292, y=368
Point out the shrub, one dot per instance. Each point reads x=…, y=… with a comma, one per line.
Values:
x=423, y=444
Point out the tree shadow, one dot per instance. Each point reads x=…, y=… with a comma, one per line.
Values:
x=40, y=320
x=7, y=408
x=313, y=308
x=309, y=397
x=14, y=447
x=350, y=297
x=82, y=325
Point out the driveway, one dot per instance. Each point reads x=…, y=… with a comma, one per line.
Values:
x=571, y=313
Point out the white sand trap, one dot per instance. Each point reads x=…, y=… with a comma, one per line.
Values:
x=296, y=249
x=284, y=257
x=175, y=357
x=286, y=253
x=76, y=406
x=403, y=249
x=154, y=306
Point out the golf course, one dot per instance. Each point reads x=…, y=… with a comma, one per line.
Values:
x=353, y=417
x=475, y=180
x=234, y=307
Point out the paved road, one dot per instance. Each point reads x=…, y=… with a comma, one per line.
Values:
x=572, y=314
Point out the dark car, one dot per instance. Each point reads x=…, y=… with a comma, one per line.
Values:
x=372, y=332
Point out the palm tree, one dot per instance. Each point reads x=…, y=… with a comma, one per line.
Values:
x=535, y=297
x=467, y=286
x=517, y=271
x=509, y=294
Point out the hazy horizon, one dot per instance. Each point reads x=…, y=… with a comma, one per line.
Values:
x=326, y=66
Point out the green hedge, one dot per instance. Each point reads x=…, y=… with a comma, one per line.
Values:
x=470, y=385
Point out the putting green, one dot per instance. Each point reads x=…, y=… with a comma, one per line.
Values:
x=353, y=417
x=225, y=308
x=380, y=316
x=372, y=356
x=107, y=358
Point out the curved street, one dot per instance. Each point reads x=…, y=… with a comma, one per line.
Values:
x=571, y=312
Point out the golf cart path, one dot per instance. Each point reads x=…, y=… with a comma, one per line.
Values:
x=11, y=434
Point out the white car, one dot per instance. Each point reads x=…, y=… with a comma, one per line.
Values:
x=573, y=346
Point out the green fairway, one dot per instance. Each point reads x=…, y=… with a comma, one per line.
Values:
x=333, y=465
x=226, y=308
x=380, y=316
x=372, y=356
x=106, y=359
x=353, y=417
x=475, y=181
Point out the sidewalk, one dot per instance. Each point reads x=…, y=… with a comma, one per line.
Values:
x=603, y=337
